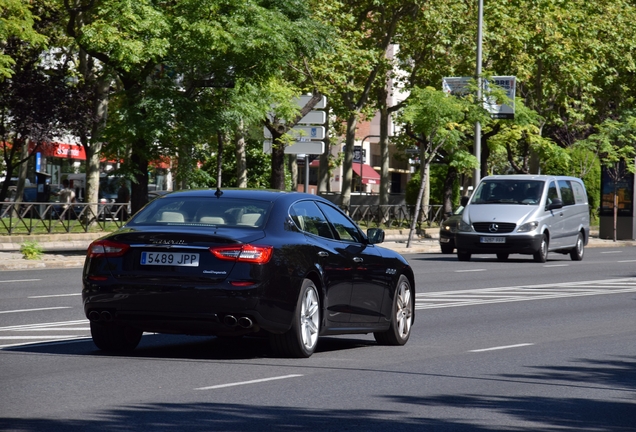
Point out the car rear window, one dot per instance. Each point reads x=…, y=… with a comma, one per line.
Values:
x=203, y=211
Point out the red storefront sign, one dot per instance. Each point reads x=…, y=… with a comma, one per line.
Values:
x=60, y=150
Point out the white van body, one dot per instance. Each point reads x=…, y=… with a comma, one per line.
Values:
x=525, y=214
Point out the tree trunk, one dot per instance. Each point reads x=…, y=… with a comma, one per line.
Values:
x=277, y=179
x=219, y=159
x=449, y=182
x=241, y=159
x=292, y=166
x=385, y=178
x=139, y=187
x=347, y=166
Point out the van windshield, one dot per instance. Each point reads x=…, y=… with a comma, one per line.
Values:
x=526, y=192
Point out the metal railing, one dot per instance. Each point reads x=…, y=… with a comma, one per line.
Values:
x=394, y=216
x=50, y=218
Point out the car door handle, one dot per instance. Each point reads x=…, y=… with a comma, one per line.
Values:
x=357, y=259
x=323, y=254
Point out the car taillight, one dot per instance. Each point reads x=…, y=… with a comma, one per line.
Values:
x=243, y=253
x=107, y=248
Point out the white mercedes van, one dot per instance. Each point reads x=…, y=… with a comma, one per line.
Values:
x=525, y=214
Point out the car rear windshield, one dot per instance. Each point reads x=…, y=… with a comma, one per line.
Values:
x=498, y=191
x=203, y=211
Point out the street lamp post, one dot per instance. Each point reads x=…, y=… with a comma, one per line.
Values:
x=480, y=19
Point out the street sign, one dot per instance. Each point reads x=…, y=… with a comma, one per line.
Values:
x=459, y=86
x=302, y=101
x=304, y=147
x=302, y=132
x=314, y=117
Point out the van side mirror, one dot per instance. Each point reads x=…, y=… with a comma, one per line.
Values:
x=375, y=235
x=464, y=201
x=555, y=204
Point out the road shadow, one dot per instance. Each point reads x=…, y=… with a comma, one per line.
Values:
x=181, y=347
x=552, y=414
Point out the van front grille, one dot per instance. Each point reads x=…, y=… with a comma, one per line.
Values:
x=494, y=227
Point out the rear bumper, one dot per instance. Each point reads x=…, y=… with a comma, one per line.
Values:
x=186, y=310
x=521, y=244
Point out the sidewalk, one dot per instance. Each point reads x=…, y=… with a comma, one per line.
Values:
x=68, y=250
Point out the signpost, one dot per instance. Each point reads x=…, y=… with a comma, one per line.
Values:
x=308, y=133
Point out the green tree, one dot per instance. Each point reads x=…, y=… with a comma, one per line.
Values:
x=434, y=120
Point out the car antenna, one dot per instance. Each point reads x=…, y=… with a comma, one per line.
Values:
x=218, y=192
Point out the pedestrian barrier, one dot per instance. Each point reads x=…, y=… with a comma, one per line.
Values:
x=50, y=218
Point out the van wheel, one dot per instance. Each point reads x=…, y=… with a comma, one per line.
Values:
x=502, y=256
x=576, y=254
x=447, y=249
x=541, y=255
x=463, y=256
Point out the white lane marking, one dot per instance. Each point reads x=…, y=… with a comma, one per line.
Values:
x=42, y=325
x=626, y=261
x=611, y=252
x=55, y=295
x=556, y=265
x=247, y=382
x=54, y=329
x=35, y=337
x=20, y=280
x=471, y=270
x=501, y=347
x=35, y=310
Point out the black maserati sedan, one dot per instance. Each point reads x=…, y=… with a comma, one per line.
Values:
x=286, y=265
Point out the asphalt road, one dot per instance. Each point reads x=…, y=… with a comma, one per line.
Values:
x=496, y=346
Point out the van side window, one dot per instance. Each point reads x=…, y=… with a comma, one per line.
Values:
x=552, y=193
x=566, y=193
x=579, y=193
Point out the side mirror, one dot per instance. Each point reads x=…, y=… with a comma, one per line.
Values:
x=555, y=204
x=375, y=235
x=464, y=201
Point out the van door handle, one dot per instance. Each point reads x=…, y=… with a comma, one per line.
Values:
x=357, y=259
x=323, y=254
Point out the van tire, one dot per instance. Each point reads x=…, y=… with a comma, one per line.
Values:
x=541, y=255
x=576, y=253
x=463, y=256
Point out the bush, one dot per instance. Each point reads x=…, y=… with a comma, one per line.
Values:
x=31, y=250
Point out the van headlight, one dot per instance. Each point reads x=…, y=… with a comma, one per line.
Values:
x=464, y=226
x=528, y=227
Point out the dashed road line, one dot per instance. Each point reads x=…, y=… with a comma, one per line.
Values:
x=248, y=382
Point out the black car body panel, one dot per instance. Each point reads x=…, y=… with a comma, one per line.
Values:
x=356, y=280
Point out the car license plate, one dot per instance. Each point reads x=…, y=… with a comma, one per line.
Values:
x=492, y=239
x=170, y=258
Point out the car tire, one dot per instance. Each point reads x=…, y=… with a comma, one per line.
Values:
x=577, y=252
x=113, y=337
x=301, y=339
x=502, y=256
x=402, y=313
x=447, y=249
x=541, y=255
x=463, y=256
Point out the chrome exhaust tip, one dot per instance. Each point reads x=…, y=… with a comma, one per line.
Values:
x=245, y=322
x=93, y=316
x=230, y=320
x=106, y=316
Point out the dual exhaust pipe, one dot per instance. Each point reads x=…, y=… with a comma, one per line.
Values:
x=104, y=316
x=232, y=321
